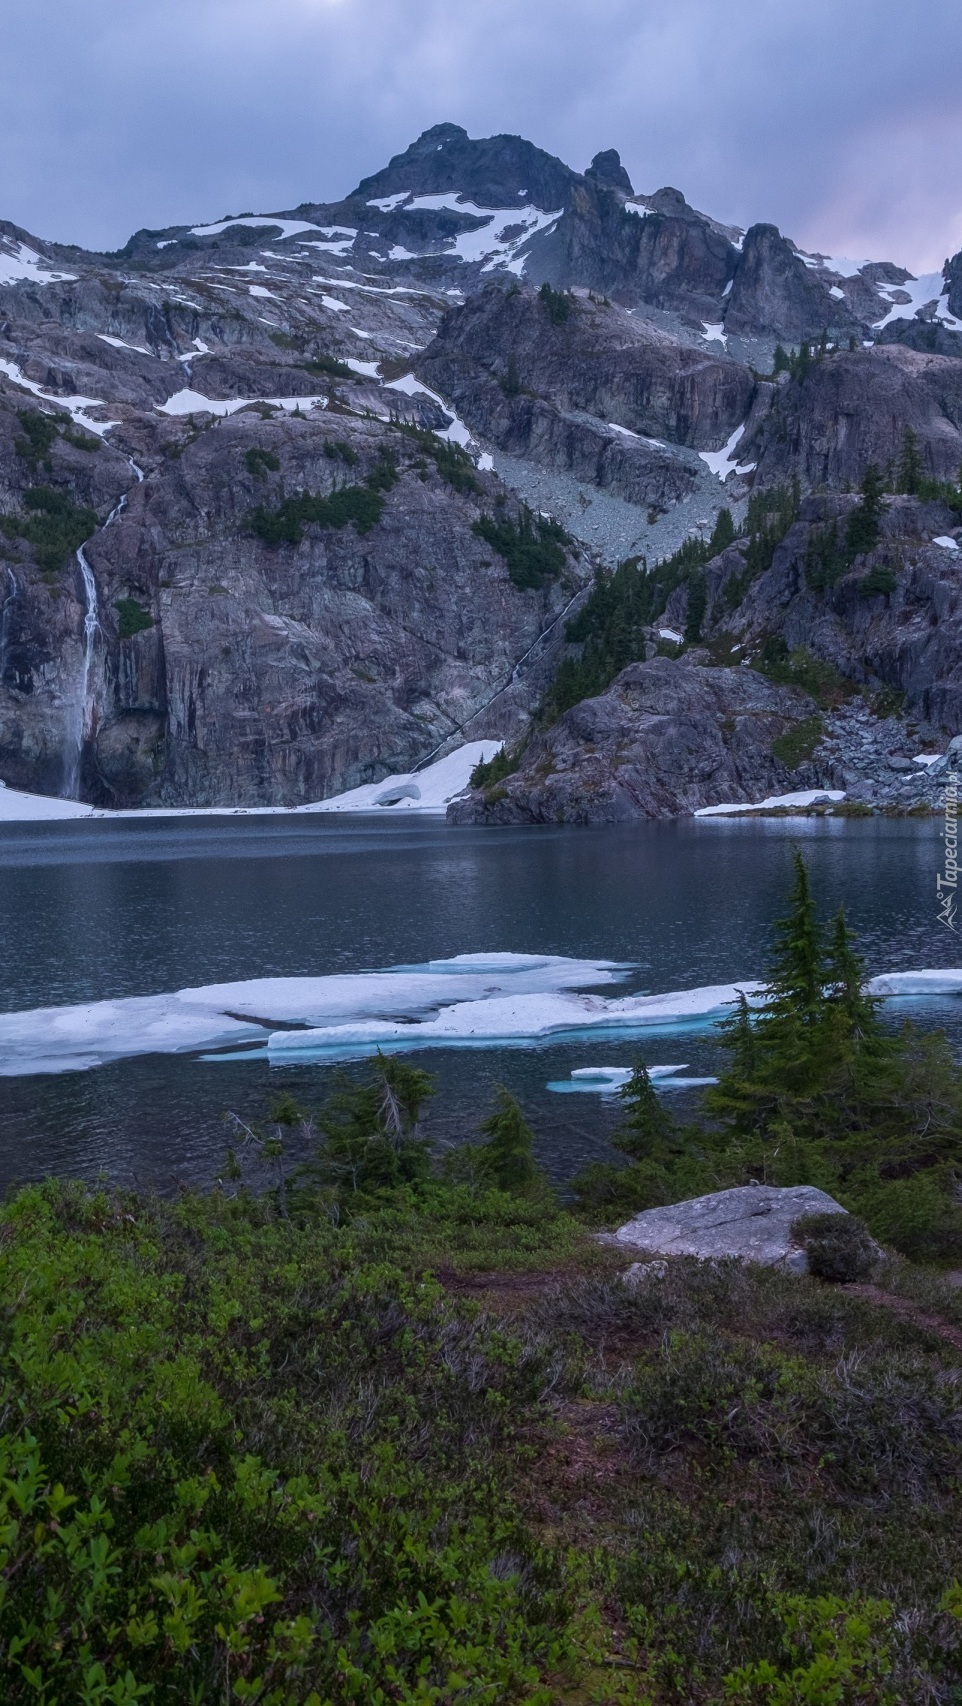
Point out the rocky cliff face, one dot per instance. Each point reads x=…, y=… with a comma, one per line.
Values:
x=262, y=522
x=665, y=739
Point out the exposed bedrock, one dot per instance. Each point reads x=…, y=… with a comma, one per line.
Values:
x=665, y=739
x=508, y=348
x=775, y=294
x=851, y=409
x=231, y=670
x=892, y=618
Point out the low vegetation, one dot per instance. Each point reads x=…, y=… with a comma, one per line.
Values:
x=533, y=546
x=54, y=526
x=132, y=618
x=357, y=506
x=387, y=1426
x=611, y=625
x=39, y=432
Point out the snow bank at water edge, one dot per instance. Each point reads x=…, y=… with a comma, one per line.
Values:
x=68, y=1039
x=429, y=790
x=37, y=808
x=778, y=802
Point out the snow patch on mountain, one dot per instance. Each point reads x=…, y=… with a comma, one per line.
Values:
x=19, y=264
x=287, y=227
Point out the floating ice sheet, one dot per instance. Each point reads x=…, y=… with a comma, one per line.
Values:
x=63, y=1039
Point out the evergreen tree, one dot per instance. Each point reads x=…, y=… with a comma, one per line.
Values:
x=910, y=473
x=646, y=1126
x=781, y=362
x=507, y=1158
x=863, y=524
x=370, y=1135
x=723, y=534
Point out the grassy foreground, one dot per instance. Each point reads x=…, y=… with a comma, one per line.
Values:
x=392, y=1428
x=446, y=1455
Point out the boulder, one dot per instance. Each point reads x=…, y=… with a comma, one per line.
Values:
x=751, y=1222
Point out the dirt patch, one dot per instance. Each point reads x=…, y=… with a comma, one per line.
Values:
x=909, y=1312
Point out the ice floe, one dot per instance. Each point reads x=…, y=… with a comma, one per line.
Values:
x=806, y=797
x=894, y=983
x=608, y=1080
x=89, y=1034
x=514, y=1021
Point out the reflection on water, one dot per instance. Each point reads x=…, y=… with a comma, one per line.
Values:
x=89, y=911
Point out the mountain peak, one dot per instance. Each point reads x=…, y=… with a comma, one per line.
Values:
x=606, y=168
x=492, y=171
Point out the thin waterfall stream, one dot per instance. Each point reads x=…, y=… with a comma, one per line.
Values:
x=83, y=716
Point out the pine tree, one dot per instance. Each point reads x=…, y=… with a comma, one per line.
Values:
x=796, y=975
x=723, y=534
x=781, y=362
x=508, y=1156
x=910, y=464
x=646, y=1126
x=863, y=524
x=847, y=1006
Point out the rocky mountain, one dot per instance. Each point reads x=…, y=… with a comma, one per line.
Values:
x=291, y=500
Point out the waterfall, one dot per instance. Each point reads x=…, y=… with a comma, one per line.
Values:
x=83, y=715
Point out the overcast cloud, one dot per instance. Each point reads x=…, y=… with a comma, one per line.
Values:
x=841, y=123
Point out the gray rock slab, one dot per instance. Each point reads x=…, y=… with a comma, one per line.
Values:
x=751, y=1222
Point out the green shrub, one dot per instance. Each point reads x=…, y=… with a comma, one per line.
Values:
x=132, y=618
x=488, y=772
x=338, y=450
x=357, y=506
x=838, y=1246
x=39, y=432
x=329, y=366
x=800, y=668
x=532, y=546
x=880, y=581
x=798, y=744
x=56, y=527
x=261, y=462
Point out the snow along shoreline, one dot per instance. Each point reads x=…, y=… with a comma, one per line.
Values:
x=428, y=791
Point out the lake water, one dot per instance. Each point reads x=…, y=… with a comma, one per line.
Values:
x=103, y=910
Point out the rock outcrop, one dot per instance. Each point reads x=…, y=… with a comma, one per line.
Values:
x=665, y=739
x=752, y=1223
x=853, y=408
x=775, y=294
x=508, y=350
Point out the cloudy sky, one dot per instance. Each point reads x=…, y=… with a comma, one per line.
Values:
x=842, y=123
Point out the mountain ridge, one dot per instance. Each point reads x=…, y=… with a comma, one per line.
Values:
x=531, y=347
